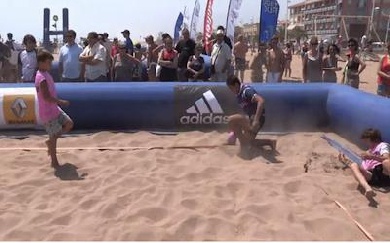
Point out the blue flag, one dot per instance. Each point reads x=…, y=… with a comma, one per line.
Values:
x=268, y=19
x=179, y=24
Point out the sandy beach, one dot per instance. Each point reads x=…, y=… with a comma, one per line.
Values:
x=165, y=193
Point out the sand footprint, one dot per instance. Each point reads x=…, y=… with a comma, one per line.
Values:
x=89, y=203
x=154, y=214
x=186, y=229
x=293, y=187
x=189, y=203
x=62, y=220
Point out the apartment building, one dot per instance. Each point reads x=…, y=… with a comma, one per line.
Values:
x=318, y=17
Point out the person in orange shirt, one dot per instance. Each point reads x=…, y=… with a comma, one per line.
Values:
x=384, y=75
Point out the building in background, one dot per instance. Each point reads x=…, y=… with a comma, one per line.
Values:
x=318, y=18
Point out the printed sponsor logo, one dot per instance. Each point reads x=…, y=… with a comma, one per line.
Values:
x=206, y=110
x=19, y=109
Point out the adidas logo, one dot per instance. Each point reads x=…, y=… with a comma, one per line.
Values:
x=206, y=110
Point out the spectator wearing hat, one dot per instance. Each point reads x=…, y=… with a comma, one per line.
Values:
x=94, y=57
x=129, y=42
x=225, y=38
x=221, y=56
x=69, y=64
x=186, y=48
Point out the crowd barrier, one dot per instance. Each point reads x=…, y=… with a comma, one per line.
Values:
x=200, y=106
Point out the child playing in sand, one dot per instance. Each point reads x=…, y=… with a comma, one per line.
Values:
x=375, y=168
x=56, y=121
x=246, y=126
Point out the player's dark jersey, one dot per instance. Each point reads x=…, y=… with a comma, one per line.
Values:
x=245, y=99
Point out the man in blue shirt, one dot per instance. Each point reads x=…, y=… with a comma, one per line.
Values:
x=246, y=126
x=70, y=67
x=129, y=42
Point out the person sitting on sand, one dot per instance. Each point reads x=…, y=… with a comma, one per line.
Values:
x=375, y=168
x=246, y=126
x=56, y=121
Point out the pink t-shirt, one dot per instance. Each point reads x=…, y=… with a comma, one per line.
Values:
x=379, y=150
x=47, y=111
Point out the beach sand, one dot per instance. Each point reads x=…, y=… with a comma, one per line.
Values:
x=182, y=194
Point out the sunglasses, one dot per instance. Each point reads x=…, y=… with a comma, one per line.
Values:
x=351, y=45
x=314, y=44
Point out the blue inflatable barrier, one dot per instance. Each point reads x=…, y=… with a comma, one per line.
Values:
x=201, y=106
x=343, y=150
x=351, y=111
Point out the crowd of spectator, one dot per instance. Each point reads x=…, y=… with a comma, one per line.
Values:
x=102, y=60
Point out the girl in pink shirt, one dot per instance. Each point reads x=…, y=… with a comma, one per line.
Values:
x=375, y=167
x=55, y=120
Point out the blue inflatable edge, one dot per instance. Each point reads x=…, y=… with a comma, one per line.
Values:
x=311, y=107
x=343, y=150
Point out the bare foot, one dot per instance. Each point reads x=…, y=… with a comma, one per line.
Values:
x=369, y=194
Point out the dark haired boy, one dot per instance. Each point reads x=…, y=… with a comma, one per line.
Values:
x=55, y=120
x=27, y=59
x=246, y=126
x=375, y=167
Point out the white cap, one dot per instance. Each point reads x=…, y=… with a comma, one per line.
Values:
x=220, y=32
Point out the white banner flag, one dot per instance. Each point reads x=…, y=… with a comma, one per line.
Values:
x=234, y=9
x=194, y=20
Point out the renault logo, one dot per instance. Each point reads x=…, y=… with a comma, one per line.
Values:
x=19, y=108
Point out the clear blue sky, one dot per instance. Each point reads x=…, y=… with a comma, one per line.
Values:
x=26, y=16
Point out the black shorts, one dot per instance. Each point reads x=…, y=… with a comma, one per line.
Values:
x=379, y=178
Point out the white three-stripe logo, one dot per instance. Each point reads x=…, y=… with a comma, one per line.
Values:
x=206, y=105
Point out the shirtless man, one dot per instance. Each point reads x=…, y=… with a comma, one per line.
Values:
x=152, y=57
x=240, y=49
x=275, y=62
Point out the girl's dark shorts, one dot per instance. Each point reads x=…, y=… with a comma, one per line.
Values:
x=379, y=178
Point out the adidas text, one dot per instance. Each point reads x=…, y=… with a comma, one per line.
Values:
x=204, y=119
